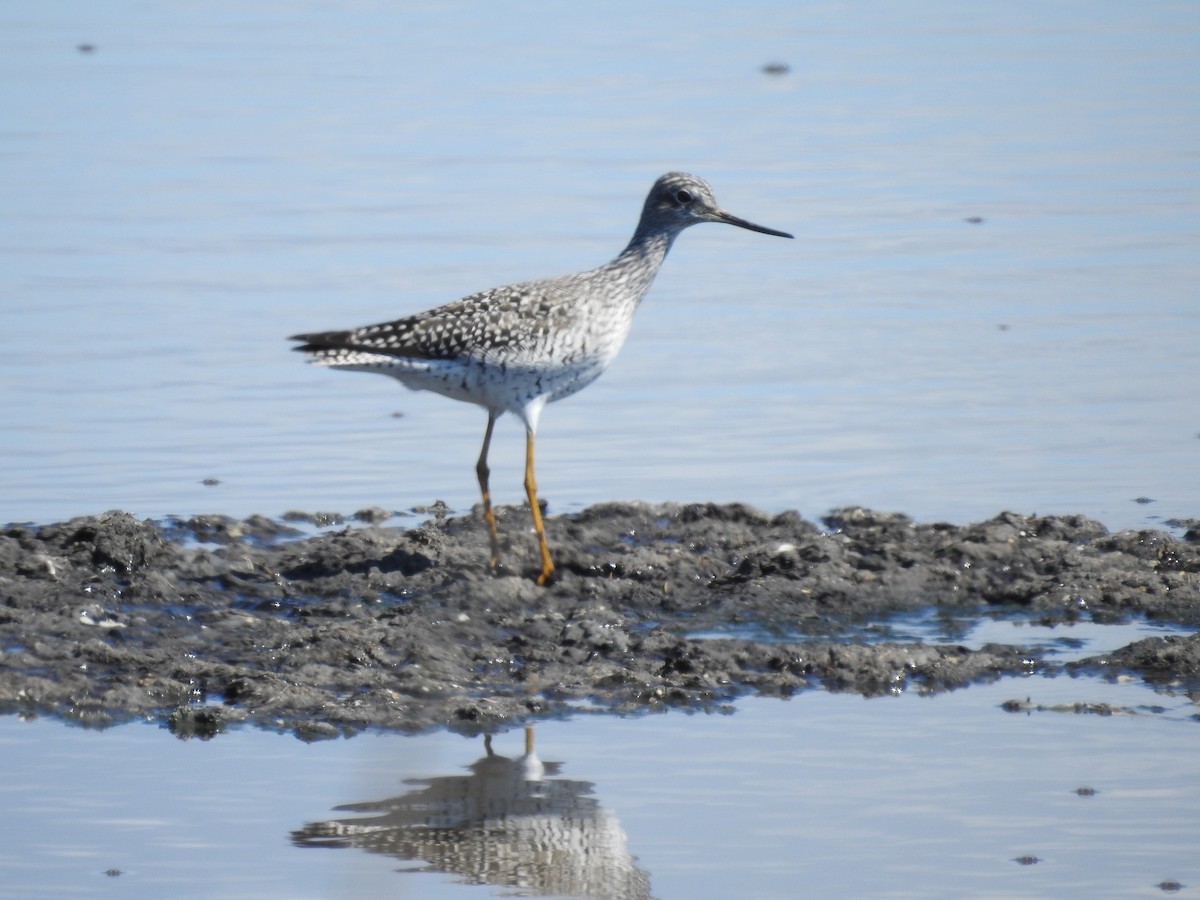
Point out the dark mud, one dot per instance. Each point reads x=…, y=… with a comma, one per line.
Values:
x=212, y=621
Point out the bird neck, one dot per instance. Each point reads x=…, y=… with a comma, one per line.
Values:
x=640, y=261
x=649, y=246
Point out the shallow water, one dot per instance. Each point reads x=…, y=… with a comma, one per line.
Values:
x=201, y=184
x=207, y=180
x=1056, y=643
x=821, y=796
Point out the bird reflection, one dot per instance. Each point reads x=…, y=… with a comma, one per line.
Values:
x=507, y=823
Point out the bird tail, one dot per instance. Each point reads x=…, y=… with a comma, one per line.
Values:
x=328, y=348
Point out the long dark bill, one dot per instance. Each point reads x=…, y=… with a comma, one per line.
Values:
x=731, y=219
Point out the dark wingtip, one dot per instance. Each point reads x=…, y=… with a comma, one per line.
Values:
x=306, y=345
x=323, y=340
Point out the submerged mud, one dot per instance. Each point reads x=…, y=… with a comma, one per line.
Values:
x=211, y=621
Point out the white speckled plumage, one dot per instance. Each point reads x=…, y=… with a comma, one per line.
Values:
x=517, y=347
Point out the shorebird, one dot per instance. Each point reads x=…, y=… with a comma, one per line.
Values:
x=518, y=347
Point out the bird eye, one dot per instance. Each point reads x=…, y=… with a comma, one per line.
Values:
x=683, y=197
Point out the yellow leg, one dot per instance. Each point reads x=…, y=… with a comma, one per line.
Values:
x=536, y=511
x=482, y=471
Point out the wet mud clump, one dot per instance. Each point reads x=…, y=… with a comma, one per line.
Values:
x=211, y=621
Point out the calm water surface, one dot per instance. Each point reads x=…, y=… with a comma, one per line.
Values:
x=209, y=179
x=821, y=796
x=205, y=182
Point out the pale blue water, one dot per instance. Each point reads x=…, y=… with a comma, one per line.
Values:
x=213, y=178
x=1058, y=643
x=824, y=796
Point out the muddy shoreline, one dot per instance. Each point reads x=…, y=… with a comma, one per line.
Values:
x=208, y=622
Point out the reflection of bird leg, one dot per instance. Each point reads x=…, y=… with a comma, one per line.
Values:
x=532, y=768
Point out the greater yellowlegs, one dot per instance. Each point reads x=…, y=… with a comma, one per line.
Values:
x=518, y=347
